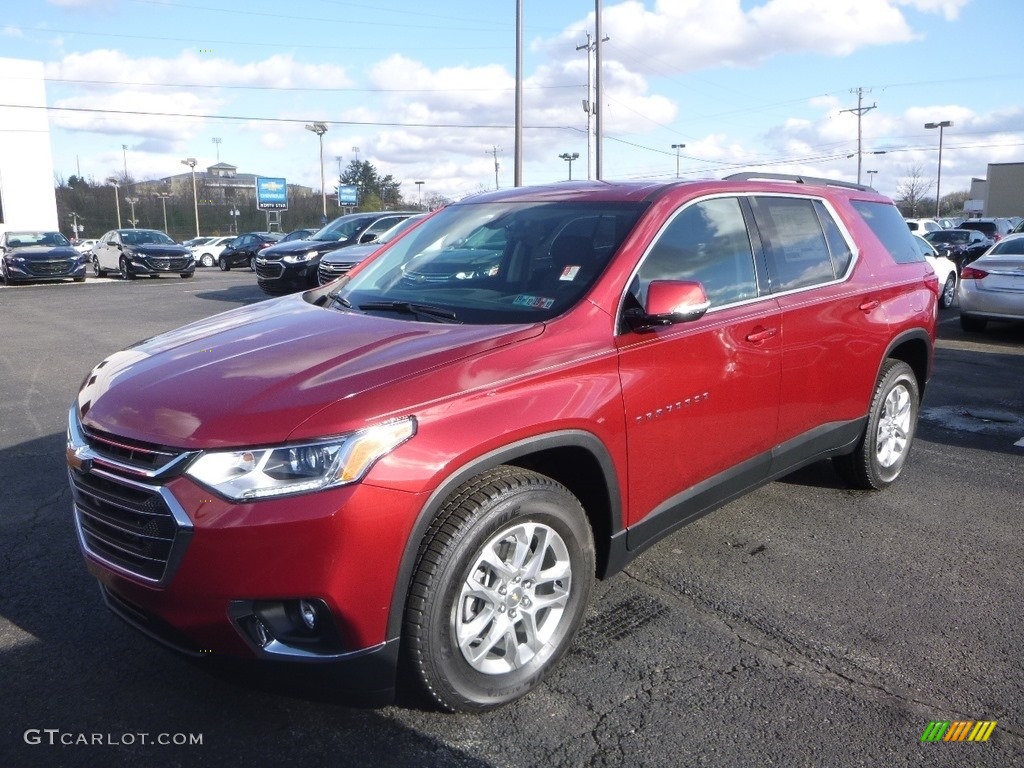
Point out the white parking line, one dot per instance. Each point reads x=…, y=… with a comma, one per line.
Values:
x=1020, y=443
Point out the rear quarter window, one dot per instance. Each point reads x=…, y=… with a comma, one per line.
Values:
x=889, y=227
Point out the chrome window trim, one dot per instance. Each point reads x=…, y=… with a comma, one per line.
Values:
x=840, y=224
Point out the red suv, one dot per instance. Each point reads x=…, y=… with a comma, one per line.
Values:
x=432, y=459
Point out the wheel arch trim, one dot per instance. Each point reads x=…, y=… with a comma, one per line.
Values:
x=503, y=455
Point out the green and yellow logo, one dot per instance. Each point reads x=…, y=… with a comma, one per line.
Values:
x=958, y=730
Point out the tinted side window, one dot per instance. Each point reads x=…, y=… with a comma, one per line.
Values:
x=708, y=242
x=838, y=247
x=887, y=224
x=794, y=243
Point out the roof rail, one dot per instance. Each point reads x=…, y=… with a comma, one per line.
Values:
x=748, y=175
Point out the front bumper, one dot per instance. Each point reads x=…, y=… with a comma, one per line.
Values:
x=46, y=271
x=280, y=277
x=340, y=548
x=143, y=265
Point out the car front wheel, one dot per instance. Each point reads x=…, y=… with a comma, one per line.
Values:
x=126, y=271
x=882, y=451
x=97, y=270
x=206, y=260
x=503, y=579
x=223, y=264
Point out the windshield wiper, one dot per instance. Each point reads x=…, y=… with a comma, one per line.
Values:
x=409, y=308
x=336, y=296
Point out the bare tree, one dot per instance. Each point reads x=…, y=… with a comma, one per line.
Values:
x=911, y=191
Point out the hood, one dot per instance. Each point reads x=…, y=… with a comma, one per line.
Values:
x=352, y=254
x=252, y=375
x=45, y=252
x=152, y=249
x=279, y=250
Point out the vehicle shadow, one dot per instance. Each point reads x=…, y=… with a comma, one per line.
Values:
x=236, y=294
x=71, y=665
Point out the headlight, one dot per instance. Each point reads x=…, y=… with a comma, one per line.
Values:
x=264, y=472
x=296, y=258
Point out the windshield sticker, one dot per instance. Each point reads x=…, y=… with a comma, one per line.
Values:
x=569, y=273
x=536, y=302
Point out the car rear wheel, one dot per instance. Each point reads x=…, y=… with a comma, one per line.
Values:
x=973, y=324
x=882, y=451
x=948, y=292
x=97, y=270
x=206, y=260
x=503, y=579
x=126, y=271
x=223, y=264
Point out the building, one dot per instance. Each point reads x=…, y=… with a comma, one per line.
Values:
x=1001, y=193
x=219, y=184
x=27, y=199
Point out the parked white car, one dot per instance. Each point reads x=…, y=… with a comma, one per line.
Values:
x=921, y=226
x=207, y=253
x=945, y=270
x=85, y=246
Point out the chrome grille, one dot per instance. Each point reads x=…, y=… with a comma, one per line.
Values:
x=50, y=267
x=167, y=263
x=329, y=271
x=269, y=270
x=127, y=525
x=143, y=456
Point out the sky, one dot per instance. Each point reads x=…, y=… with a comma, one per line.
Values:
x=425, y=91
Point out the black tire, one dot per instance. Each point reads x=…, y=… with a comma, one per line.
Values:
x=97, y=271
x=506, y=511
x=3, y=276
x=126, y=272
x=948, y=292
x=207, y=260
x=881, y=453
x=79, y=279
x=973, y=324
x=223, y=264
x=252, y=263
x=186, y=275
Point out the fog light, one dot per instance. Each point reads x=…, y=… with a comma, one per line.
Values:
x=308, y=614
x=262, y=636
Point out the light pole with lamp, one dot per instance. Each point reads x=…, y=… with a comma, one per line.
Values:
x=569, y=158
x=871, y=178
x=320, y=129
x=419, y=188
x=132, y=201
x=234, y=213
x=163, y=201
x=74, y=225
x=677, y=147
x=938, y=177
x=191, y=163
x=117, y=199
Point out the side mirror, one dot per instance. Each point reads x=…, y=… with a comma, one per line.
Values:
x=369, y=237
x=111, y=242
x=669, y=302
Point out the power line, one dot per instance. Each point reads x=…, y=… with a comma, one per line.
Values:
x=293, y=88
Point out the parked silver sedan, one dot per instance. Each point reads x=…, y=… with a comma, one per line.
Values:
x=992, y=287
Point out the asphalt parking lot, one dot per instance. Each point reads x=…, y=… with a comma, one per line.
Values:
x=804, y=625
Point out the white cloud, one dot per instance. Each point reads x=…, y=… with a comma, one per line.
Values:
x=12, y=31
x=950, y=9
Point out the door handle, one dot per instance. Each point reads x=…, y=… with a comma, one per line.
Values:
x=868, y=304
x=760, y=334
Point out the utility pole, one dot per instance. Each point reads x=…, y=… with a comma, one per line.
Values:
x=588, y=104
x=599, y=129
x=860, y=111
x=494, y=151
x=677, y=147
x=216, y=143
x=517, y=163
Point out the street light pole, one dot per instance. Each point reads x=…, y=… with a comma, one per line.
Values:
x=132, y=201
x=117, y=199
x=569, y=158
x=320, y=129
x=677, y=147
x=871, y=178
x=191, y=163
x=163, y=201
x=938, y=177
x=419, y=187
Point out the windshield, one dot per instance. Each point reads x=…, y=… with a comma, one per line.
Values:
x=49, y=239
x=340, y=230
x=947, y=237
x=485, y=263
x=145, y=237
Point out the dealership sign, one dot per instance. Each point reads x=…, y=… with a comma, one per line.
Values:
x=271, y=194
x=348, y=194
